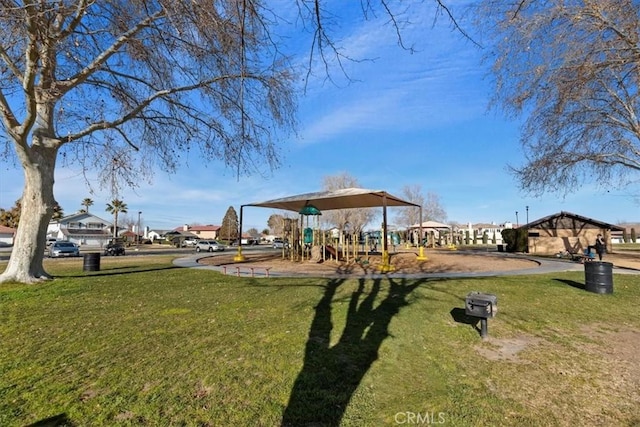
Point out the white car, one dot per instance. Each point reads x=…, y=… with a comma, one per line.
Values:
x=63, y=249
x=189, y=243
x=209, y=246
x=280, y=244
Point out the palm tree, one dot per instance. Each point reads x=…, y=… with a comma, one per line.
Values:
x=114, y=208
x=86, y=203
x=57, y=211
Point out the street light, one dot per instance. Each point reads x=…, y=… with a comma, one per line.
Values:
x=527, y=207
x=138, y=230
x=517, y=219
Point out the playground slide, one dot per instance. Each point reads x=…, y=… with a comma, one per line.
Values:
x=332, y=251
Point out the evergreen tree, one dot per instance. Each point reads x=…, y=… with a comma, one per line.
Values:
x=230, y=225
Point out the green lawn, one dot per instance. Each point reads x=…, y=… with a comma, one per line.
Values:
x=144, y=343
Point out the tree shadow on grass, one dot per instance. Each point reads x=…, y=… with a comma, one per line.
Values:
x=60, y=420
x=117, y=271
x=571, y=283
x=331, y=374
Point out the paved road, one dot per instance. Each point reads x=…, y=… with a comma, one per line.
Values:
x=5, y=252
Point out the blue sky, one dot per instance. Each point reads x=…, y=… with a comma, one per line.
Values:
x=407, y=119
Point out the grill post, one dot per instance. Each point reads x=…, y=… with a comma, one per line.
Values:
x=481, y=306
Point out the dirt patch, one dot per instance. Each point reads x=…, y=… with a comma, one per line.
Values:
x=623, y=259
x=506, y=348
x=592, y=378
x=407, y=262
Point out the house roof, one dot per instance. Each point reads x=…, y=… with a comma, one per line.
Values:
x=78, y=216
x=6, y=230
x=345, y=198
x=199, y=228
x=180, y=233
x=432, y=224
x=568, y=220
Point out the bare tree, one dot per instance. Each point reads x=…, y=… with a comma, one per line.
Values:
x=121, y=87
x=118, y=86
x=354, y=220
x=573, y=70
x=276, y=224
x=410, y=215
x=432, y=210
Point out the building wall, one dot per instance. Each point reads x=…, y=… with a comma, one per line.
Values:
x=564, y=240
x=205, y=234
x=6, y=238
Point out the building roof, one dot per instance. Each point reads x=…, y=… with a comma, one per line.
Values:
x=78, y=216
x=180, y=233
x=199, y=228
x=7, y=230
x=432, y=224
x=568, y=220
x=345, y=198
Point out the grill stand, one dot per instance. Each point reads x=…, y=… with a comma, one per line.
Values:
x=483, y=327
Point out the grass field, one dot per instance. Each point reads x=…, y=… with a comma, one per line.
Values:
x=144, y=343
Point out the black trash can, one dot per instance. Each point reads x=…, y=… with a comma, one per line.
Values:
x=91, y=262
x=598, y=277
x=500, y=248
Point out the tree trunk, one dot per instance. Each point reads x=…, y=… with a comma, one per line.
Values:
x=25, y=264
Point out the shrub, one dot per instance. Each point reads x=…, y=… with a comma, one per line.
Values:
x=515, y=239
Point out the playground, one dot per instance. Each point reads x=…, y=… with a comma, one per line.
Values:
x=311, y=250
x=404, y=261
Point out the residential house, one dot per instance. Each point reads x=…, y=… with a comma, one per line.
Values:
x=211, y=232
x=154, y=235
x=429, y=228
x=566, y=231
x=492, y=230
x=7, y=235
x=81, y=228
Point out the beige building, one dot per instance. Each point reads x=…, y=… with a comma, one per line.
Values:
x=566, y=231
x=201, y=231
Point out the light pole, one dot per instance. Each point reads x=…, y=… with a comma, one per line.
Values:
x=527, y=208
x=138, y=230
x=517, y=219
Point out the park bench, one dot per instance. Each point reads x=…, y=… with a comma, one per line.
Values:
x=247, y=270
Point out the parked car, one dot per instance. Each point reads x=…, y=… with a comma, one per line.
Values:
x=189, y=243
x=63, y=249
x=114, y=249
x=280, y=243
x=51, y=240
x=209, y=246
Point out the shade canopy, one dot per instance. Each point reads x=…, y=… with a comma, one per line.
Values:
x=432, y=224
x=345, y=198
